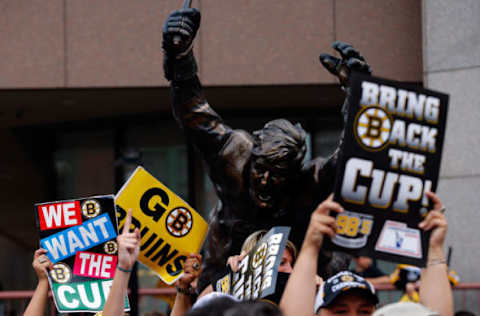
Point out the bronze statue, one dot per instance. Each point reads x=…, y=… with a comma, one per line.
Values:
x=262, y=179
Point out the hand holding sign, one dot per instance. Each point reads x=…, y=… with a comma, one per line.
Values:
x=435, y=220
x=321, y=223
x=191, y=270
x=39, y=299
x=234, y=261
x=435, y=289
x=128, y=245
x=41, y=263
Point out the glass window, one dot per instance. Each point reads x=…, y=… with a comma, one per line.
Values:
x=160, y=148
x=84, y=163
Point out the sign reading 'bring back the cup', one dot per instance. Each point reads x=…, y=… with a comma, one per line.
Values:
x=389, y=158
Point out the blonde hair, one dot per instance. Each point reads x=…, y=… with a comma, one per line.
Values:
x=253, y=239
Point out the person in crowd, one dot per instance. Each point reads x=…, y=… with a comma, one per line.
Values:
x=288, y=258
x=223, y=305
x=406, y=278
x=405, y=308
x=128, y=249
x=299, y=295
x=261, y=179
x=435, y=291
x=365, y=268
x=346, y=293
x=41, y=264
x=216, y=306
x=410, y=294
x=186, y=284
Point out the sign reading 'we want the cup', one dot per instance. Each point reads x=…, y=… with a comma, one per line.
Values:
x=80, y=237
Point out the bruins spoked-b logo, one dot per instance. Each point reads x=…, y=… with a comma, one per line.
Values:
x=61, y=273
x=91, y=208
x=372, y=128
x=259, y=255
x=346, y=278
x=110, y=247
x=179, y=222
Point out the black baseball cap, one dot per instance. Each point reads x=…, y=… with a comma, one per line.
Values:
x=341, y=283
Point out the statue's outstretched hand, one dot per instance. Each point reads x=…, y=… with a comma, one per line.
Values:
x=351, y=61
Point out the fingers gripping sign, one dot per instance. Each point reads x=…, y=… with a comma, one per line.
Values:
x=435, y=221
x=437, y=204
x=41, y=263
x=128, y=245
x=322, y=223
x=191, y=270
x=234, y=261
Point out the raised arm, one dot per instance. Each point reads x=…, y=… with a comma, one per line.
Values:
x=186, y=288
x=38, y=303
x=350, y=60
x=128, y=249
x=190, y=108
x=298, y=298
x=435, y=289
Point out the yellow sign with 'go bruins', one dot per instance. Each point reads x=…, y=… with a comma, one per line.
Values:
x=170, y=229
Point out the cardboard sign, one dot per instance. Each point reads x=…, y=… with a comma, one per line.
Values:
x=80, y=280
x=170, y=229
x=257, y=274
x=389, y=158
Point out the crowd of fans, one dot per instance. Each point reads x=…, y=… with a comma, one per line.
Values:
x=305, y=293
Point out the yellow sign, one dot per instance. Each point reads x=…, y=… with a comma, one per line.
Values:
x=170, y=229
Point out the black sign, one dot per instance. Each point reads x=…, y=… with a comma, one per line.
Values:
x=389, y=158
x=258, y=271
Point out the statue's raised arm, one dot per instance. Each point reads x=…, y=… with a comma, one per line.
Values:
x=211, y=136
x=189, y=105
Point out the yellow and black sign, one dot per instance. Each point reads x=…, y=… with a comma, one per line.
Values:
x=170, y=229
